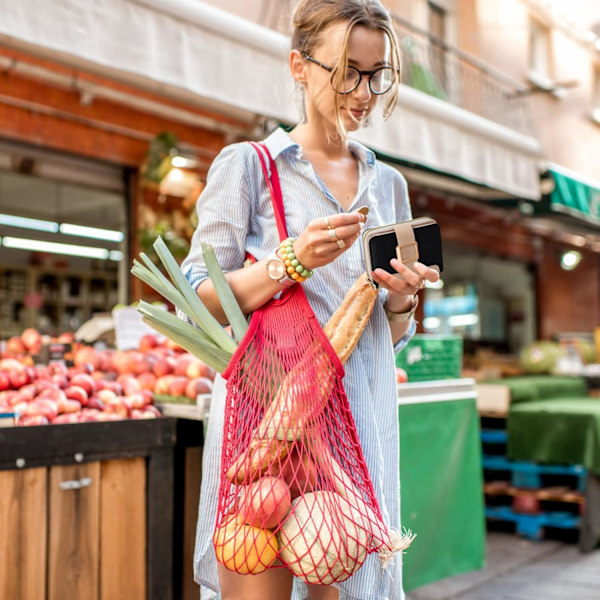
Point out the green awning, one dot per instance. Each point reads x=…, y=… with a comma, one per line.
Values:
x=575, y=195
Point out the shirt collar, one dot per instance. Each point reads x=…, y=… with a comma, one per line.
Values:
x=279, y=142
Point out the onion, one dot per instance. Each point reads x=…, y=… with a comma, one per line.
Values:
x=321, y=541
x=243, y=548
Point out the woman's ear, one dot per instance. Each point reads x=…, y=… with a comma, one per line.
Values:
x=297, y=66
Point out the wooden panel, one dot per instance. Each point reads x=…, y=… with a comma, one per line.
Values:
x=73, y=533
x=193, y=474
x=23, y=526
x=123, y=530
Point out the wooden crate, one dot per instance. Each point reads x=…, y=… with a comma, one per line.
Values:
x=99, y=511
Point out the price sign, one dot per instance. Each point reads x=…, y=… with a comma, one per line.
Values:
x=129, y=327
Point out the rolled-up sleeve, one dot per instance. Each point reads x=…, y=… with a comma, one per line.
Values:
x=224, y=215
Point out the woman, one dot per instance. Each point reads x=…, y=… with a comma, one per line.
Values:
x=344, y=56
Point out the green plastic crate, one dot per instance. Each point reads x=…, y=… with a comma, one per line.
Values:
x=427, y=357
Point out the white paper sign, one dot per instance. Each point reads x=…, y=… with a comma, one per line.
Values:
x=129, y=328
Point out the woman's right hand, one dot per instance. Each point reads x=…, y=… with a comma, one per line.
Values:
x=325, y=238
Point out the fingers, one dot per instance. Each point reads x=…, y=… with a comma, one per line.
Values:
x=410, y=282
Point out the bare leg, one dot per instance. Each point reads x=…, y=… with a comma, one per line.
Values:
x=323, y=592
x=272, y=584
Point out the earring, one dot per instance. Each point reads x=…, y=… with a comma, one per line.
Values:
x=300, y=103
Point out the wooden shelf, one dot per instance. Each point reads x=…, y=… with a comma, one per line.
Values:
x=65, y=295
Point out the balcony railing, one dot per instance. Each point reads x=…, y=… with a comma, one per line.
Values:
x=435, y=68
x=432, y=66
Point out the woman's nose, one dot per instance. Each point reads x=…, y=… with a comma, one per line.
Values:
x=363, y=91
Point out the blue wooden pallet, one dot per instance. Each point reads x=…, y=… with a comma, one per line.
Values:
x=528, y=474
x=494, y=436
x=532, y=526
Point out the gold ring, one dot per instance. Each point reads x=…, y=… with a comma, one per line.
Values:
x=332, y=236
x=340, y=244
x=327, y=225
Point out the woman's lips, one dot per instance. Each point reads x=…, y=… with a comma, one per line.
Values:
x=357, y=113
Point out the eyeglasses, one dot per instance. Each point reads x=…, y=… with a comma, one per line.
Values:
x=380, y=80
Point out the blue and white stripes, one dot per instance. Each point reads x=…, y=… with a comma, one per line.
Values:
x=235, y=215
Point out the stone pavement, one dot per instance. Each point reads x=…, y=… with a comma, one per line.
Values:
x=519, y=569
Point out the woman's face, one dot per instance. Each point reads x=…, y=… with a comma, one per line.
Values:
x=368, y=49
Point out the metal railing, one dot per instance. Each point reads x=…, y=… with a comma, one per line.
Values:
x=432, y=66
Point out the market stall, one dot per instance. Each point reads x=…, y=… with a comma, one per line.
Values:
x=441, y=480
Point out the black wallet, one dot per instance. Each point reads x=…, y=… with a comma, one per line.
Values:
x=380, y=245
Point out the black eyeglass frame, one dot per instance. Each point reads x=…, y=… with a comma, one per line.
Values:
x=368, y=74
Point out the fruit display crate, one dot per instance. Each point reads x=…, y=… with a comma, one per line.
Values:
x=532, y=498
x=100, y=510
x=429, y=357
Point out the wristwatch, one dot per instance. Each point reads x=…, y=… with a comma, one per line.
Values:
x=277, y=272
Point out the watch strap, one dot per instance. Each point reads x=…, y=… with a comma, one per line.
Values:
x=394, y=317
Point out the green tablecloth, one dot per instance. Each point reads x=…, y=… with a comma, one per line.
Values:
x=565, y=430
x=442, y=498
x=529, y=388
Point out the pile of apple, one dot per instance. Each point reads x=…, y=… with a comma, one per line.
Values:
x=101, y=385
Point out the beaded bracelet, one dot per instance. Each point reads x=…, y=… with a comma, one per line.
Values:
x=292, y=265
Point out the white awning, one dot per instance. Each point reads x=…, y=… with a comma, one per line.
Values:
x=201, y=54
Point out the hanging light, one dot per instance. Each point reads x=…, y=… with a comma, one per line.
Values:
x=570, y=259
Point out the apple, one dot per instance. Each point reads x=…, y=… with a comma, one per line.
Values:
x=31, y=338
x=163, y=384
x=69, y=406
x=15, y=345
x=84, y=381
x=129, y=384
x=27, y=420
x=108, y=416
x=138, y=400
x=65, y=418
x=105, y=395
x=4, y=382
x=124, y=362
x=86, y=355
x=149, y=395
x=177, y=386
x=60, y=380
x=7, y=396
x=95, y=403
x=30, y=390
x=183, y=362
x=198, y=369
x=148, y=342
x=88, y=415
x=75, y=392
x=200, y=385
x=164, y=366
x=44, y=407
x=18, y=379
x=66, y=338
x=114, y=386
x=147, y=381
x=57, y=367
x=401, y=376
x=152, y=409
x=117, y=405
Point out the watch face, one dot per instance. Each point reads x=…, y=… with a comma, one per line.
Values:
x=275, y=269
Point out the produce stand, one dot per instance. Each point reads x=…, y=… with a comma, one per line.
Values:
x=551, y=435
x=441, y=479
x=99, y=510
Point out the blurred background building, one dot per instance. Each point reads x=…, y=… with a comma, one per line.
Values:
x=111, y=113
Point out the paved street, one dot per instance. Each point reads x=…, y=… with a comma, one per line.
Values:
x=518, y=569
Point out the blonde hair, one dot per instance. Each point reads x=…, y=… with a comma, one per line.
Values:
x=312, y=17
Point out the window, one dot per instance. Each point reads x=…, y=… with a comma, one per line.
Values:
x=596, y=93
x=540, y=68
x=437, y=28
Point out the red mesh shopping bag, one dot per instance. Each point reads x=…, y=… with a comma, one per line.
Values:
x=294, y=487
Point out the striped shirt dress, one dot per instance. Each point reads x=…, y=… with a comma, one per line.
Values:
x=235, y=215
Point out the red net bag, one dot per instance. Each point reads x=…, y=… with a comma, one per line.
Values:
x=294, y=486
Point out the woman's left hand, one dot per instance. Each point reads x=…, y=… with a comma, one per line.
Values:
x=400, y=288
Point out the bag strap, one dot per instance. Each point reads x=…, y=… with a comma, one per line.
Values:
x=272, y=179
